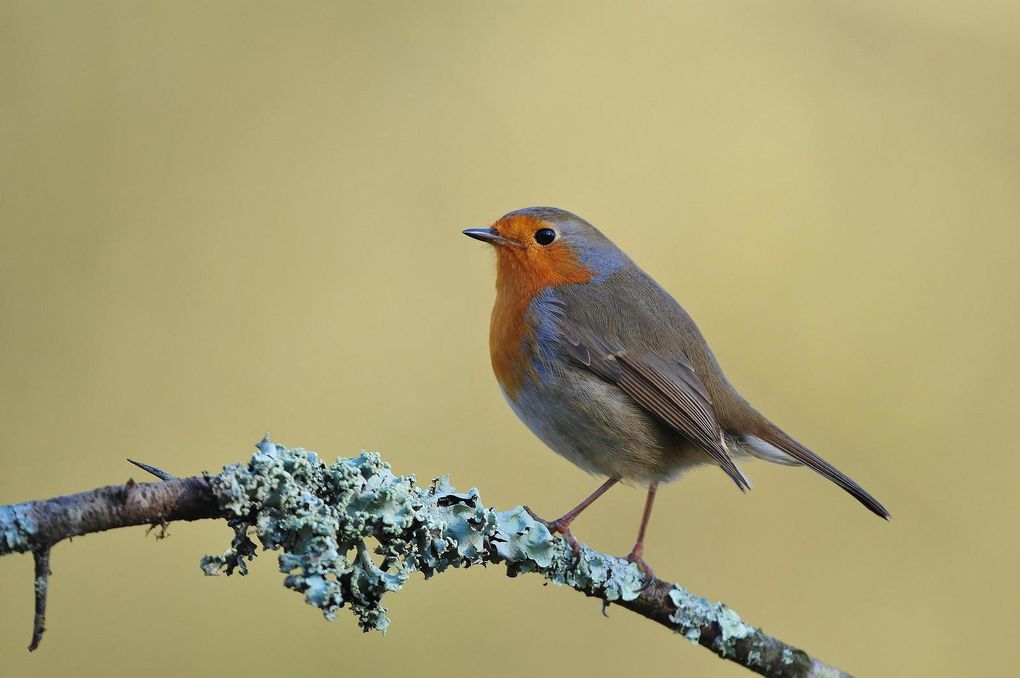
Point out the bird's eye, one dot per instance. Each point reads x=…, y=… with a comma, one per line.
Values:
x=544, y=236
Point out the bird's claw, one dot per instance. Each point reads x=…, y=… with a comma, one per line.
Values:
x=563, y=529
x=560, y=527
x=646, y=569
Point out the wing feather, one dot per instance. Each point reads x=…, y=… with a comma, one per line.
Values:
x=668, y=389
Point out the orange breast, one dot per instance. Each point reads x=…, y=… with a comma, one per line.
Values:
x=522, y=274
x=507, y=349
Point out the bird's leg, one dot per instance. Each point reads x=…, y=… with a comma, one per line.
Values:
x=562, y=524
x=637, y=553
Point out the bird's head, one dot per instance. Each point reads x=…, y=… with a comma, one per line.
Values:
x=538, y=247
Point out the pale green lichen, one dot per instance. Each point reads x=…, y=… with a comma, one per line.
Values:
x=731, y=624
x=819, y=670
x=16, y=528
x=694, y=614
x=324, y=516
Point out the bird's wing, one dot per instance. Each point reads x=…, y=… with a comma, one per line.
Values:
x=668, y=389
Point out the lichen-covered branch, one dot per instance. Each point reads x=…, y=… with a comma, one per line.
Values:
x=351, y=531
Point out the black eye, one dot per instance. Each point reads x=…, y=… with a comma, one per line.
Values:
x=544, y=236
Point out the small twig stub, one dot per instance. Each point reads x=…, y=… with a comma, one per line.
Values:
x=42, y=584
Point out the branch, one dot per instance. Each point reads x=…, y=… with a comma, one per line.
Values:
x=320, y=516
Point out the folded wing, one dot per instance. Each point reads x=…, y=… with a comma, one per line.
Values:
x=667, y=388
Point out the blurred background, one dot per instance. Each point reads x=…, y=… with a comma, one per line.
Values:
x=225, y=218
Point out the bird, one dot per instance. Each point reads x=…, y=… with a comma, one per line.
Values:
x=609, y=371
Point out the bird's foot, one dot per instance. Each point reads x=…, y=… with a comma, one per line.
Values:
x=560, y=526
x=636, y=557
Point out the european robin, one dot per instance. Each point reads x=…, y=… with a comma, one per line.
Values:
x=608, y=370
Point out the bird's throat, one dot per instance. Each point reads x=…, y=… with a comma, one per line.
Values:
x=521, y=275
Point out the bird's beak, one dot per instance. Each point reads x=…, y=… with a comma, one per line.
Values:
x=490, y=235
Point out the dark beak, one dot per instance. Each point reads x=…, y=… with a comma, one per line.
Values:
x=490, y=235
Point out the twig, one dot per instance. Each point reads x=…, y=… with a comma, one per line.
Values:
x=36, y=525
x=42, y=584
x=159, y=473
x=338, y=508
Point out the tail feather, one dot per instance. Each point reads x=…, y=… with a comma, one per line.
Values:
x=756, y=447
x=774, y=436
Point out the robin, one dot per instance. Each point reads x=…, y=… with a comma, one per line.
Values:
x=608, y=370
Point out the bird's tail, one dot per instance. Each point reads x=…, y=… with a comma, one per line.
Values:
x=776, y=438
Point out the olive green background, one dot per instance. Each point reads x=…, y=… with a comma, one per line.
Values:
x=225, y=218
